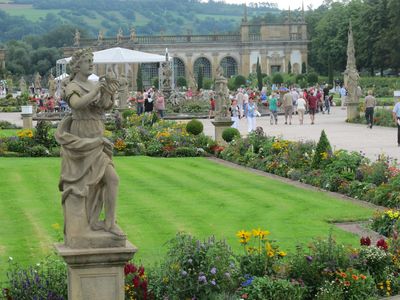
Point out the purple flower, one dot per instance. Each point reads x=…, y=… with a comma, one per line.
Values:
x=202, y=279
x=213, y=270
x=184, y=273
x=309, y=258
x=213, y=282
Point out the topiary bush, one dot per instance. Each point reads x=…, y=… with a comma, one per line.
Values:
x=194, y=127
x=229, y=134
x=322, y=151
x=277, y=78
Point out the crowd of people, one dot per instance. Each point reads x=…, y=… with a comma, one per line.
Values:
x=148, y=101
x=245, y=103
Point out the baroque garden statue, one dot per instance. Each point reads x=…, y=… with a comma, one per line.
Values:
x=221, y=97
x=88, y=180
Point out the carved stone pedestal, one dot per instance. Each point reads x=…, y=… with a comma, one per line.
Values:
x=27, y=121
x=220, y=126
x=96, y=273
x=352, y=110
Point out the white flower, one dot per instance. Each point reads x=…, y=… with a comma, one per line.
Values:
x=10, y=258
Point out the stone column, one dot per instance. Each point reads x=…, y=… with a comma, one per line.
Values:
x=214, y=64
x=245, y=62
x=263, y=62
x=27, y=113
x=96, y=273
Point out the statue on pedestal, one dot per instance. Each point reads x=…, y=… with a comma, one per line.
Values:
x=51, y=85
x=351, y=79
x=221, y=97
x=77, y=38
x=120, y=35
x=100, y=37
x=132, y=36
x=38, y=84
x=123, y=91
x=88, y=179
x=22, y=84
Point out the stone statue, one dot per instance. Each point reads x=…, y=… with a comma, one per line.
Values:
x=38, y=84
x=22, y=84
x=192, y=81
x=351, y=79
x=120, y=35
x=221, y=97
x=51, y=85
x=77, y=38
x=132, y=36
x=123, y=91
x=100, y=37
x=88, y=179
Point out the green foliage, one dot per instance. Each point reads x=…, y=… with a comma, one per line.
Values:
x=38, y=151
x=200, y=79
x=128, y=113
x=194, y=269
x=45, y=280
x=7, y=125
x=261, y=288
x=155, y=82
x=240, y=80
x=303, y=68
x=312, y=78
x=194, y=127
x=259, y=75
x=43, y=135
x=229, y=134
x=289, y=67
x=277, y=78
x=207, y=83
x=322, y=150
x=181, y=81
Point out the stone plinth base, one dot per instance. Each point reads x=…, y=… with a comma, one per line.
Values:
x=27, y=121
x=352, y=110
x=96, y=273
x=220, y=126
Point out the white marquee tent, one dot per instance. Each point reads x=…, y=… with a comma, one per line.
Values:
x=119, y=55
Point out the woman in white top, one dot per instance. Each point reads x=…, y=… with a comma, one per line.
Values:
x=301, y=108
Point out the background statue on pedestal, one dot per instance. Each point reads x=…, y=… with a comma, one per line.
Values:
x=38, y=83
x=132, y=36
x=77, y=38
x=100, y=37
x=120, y=35
x=221, y=96
x=88, y=179
x=51, y=85
x=123, y=91
x=22, y=84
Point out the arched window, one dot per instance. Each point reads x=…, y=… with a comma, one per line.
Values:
x=230, y=66
x=179, y=68
x=205, y=64
x=149, y=71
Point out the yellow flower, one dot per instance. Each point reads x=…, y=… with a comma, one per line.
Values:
x=120, y=144
x=25, y=133
x=324, y=155
x=270, y=253
x=55, y=226
x=244, y=236
x=260, y=233
x=282, y=253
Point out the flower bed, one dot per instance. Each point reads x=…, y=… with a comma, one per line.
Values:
x=349, y=173
x=194, y=269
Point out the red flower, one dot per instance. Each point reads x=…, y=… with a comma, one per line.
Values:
x=382, y=244
x=141, y=271
x=245, y=296
x=136, y=281
x=129, y=268
x=365, y=241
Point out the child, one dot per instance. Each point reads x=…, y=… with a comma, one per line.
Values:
x=235, y=113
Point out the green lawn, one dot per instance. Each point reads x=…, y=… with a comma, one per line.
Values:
x=8, y=132
x=159, y=197
x=27, y=11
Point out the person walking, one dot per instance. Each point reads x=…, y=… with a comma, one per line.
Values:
x=327, y=103
x=287, y=104
x=273, y=108
x=235, y=113
x=139, y=103
x=370, y=103
x=301, y=109
x=396, y=118
x=343, y=95
x=312, y=102
x=251, y=113
x=160, y=104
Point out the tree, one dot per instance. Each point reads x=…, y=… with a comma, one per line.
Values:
x=200, y=78
x=239, y=81
x=259, y=75
x=139, y=79
x=303, y=68
x=322, y=150
x=289, y=68
x=277, y=78
x=394, y=33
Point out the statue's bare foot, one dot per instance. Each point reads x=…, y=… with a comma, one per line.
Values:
x=115, y=230
x=99, y=225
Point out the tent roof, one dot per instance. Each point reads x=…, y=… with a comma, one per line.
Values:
x=119, y=55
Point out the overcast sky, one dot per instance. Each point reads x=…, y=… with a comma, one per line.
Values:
x=283, y=4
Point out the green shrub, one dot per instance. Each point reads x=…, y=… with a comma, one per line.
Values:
x=45, y=280
x=194, y=269
x=181, y=81
x=7, y=125
x=239, y=81
x=194, y=127
x=261, y=288
x=322, y=151
x=229, y=134
x=207, y=83
x=312, y=78
x=44, y=135
x=38, y=151
x=185, y=152
x=277, y=78
x=127, y=113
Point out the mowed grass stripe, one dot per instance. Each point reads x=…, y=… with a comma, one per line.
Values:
x=159, y=197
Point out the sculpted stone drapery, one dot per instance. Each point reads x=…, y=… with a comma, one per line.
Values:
x=88, y=179
x=221, y=97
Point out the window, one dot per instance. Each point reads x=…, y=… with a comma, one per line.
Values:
x=205, y=65
x=230, y=66
x=179, y=68
x=149, y=71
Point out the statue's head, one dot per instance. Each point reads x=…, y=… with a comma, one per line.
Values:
x=77, y=58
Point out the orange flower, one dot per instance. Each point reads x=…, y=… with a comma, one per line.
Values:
x=346, y=283
x=343, y=275
x=363, y=277
x=355, y=277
